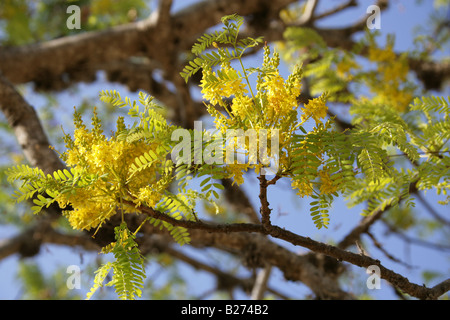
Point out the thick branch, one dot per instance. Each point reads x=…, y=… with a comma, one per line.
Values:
x=52, y=64
x=54, y=59
x=22, y=118
x=260, y=285
x=258, y=251
x=28, y=242
x=317, y=272
x=356, y=259
x=308, y=14
x=225, y=281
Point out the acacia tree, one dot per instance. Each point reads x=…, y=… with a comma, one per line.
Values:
x=133, y=193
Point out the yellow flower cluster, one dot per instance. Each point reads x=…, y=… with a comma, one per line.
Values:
x=107, y=162
x=315, y=109
x=304, y=189
x=281, y=96
x=392, y=72
x=274, y=102
x=216, y=87
x=241, y=106
x=273, y=106
x=344, y=68
x=148, y=195
x=236, y=172
x=326, y=183
x=381, y=55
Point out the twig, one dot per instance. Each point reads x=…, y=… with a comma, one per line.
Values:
x=351, y=3
x=387, y=254
x=308, y=15
x=431, y=210
x=436, y=246
x=261, y=283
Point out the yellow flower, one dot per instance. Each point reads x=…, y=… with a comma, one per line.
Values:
x=327, y=185
x=392, y=72
x=97, y=199
x=90, y=207
x=281, y=96
x=381, y=55
x=228, y=84
x=388, y=93
x=148, y=196
x=241, y=106
x=344, y=67
x=395, y=71
x=236, y=171
x=303, y=188
x=316, y=109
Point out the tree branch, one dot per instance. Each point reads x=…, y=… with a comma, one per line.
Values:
x=225, y=281
x=28, y=242
x=337, y=9
x=260, y=285
x=57, y=63
x=356, y=259
x=308, y=14
x=24, y=121
x=264, y=210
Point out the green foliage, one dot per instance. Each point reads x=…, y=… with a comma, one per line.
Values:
x=228, y=36
x=142, y=162
x=425, y=144
x=319, y=209
x=177, y=206
x=319, y=62
x=35, y=183
x=432, y=104
x=128, y=268
x=382, y=137
x=371, y=158
x=305, y=37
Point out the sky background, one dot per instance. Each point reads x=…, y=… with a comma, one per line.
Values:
x=401, y=19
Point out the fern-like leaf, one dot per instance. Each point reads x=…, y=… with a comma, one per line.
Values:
x=100, y=276
x=128, y=268
x=432, y=104
x=227, y=36
x=142, y=162
x=319, y=210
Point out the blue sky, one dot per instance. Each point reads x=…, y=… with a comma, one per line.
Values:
x=289, y=211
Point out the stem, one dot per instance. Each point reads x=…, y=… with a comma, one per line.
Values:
x=140, y=226
x=246, y=78
x=261, y=283
x=248, y=82
x=264, y=210
x=121, y=209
